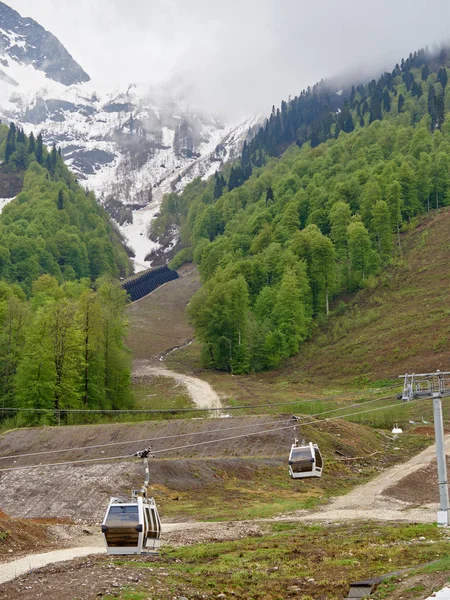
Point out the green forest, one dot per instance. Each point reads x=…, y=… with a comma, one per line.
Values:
x=62, y=324
x=276, y=238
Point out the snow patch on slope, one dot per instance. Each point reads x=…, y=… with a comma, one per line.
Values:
x=4, y=202
x=129, y=146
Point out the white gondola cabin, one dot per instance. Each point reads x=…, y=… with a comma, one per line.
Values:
x=305, y=461
x=132, y=527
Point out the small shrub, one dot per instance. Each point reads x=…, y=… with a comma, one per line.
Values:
x=181, y=257
x=340, y=309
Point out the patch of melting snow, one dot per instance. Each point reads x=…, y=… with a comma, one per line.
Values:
x=4, y=202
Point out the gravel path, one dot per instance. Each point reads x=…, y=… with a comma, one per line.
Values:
x=13, y=569
x=372, y=500
x=200, y=391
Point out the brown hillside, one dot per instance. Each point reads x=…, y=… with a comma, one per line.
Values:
x=402, y=324
x=10, y=183
x=159, y=321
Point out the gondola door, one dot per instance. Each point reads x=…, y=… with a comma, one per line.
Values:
x=123, y=527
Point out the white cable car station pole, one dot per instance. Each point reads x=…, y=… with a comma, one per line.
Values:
x=443, y=512
x=435, y=385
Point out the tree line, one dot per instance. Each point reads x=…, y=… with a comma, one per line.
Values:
x=63, y=349
x=318, y=113
x=62, y=323
x=53, y=226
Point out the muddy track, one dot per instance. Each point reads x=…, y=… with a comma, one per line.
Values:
x=200, y=391
x=376, y=499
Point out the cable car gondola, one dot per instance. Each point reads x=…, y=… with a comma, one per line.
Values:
x=133, y=526
x=305, y=461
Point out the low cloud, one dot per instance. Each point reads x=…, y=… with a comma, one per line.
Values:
x=240, y=56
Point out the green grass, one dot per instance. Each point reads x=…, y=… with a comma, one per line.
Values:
x=128, y=595
x=162, y=393
x=441, y=566
x=296, y=560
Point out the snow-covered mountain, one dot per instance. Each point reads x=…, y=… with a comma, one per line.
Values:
x=24, y=41
x=129, y=146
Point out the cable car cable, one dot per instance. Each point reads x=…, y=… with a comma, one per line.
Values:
x=101, y=459
x=174, y=410
x=221, y=430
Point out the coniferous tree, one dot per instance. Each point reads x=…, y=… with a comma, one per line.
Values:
x=386, y=101
x=432, y=108
x=442, y=77
x=219, y=184
x=20, y=135
x=40, y=149
x=344, y=120
x=54, y=157
x=269, y=195
x=10, y=143
x=440, y=109
x=375, y=107
x=32, y=144
x=60, y=201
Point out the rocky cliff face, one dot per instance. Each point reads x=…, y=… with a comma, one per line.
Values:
x=24, y=41
x=129, y=146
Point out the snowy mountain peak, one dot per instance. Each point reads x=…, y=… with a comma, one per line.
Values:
x=129, y=146
x=24, y=42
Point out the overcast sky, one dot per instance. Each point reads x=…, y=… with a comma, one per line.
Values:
x=238, y=56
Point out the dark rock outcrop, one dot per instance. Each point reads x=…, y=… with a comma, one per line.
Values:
x=24, y=40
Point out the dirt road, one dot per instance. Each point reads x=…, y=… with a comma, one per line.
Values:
x=11, y=570
x=372, y=500
x=175, y=534
x=376, y=499
x=200, y=391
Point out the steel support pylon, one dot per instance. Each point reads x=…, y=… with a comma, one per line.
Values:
x=443, y=512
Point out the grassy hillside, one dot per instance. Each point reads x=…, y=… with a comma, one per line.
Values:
x=320, y=221
x=401, y=323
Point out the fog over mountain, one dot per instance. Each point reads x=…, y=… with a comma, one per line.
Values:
x=241, y=56
x=175, y=87
x=130, y=144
